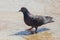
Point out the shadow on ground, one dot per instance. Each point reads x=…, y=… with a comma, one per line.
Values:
x=29, y=33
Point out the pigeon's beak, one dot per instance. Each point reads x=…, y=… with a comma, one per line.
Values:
x=19, y=11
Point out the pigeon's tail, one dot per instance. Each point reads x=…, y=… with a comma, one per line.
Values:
x=48, y=19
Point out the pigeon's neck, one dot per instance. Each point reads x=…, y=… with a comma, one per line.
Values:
x=26, y=14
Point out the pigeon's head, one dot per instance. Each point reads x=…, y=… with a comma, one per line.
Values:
x=23, y=9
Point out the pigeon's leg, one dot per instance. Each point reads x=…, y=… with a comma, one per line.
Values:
x=36, y=29
x=30, y=29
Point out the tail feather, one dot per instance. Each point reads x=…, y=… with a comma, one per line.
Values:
x=48, y=19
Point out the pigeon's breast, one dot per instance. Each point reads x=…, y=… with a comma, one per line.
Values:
x=28, y=21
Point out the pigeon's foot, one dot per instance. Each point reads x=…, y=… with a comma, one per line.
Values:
x=33, y=32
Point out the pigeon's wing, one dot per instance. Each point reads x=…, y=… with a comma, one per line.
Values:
x=44, y=19
x=37, y=18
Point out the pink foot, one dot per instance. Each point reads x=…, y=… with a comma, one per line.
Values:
x=29, y=29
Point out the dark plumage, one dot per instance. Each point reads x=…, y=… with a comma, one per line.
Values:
x=33, y=20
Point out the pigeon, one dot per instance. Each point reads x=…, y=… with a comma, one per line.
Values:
x=34, y=20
